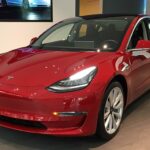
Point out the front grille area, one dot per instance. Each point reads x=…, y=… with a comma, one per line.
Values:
x=23, y=123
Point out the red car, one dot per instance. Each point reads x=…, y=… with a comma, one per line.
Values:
x=78, y=77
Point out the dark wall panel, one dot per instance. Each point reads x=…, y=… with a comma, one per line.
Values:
x=124, y=6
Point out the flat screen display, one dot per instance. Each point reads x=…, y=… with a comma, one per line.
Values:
x=26, y=10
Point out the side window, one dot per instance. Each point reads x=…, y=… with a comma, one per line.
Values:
x=138, y=34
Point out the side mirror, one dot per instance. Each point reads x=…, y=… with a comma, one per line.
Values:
x=33, y=40
x=143, y=44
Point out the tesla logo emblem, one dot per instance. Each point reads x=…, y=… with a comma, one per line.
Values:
x=10, y=77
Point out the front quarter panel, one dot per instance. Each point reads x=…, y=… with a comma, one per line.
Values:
x=117, y=64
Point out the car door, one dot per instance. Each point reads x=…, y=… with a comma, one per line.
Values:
x=139, y=61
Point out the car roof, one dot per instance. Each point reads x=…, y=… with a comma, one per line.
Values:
x=111, y=15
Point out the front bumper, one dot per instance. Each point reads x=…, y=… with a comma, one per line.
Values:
x=36, y=111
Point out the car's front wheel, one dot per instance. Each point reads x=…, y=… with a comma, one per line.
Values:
x=4, y=3
x=111, y=113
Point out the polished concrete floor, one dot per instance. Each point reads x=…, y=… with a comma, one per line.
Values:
x=134, y=135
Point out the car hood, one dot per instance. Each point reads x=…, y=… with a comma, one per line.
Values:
x=30, y=67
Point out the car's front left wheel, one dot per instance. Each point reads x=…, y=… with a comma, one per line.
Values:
x=111, y=112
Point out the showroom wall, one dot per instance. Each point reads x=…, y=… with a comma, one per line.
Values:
x=17, y=34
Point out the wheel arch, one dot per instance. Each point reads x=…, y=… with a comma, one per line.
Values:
x=122, y=80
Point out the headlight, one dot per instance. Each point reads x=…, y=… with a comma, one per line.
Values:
x=75, y=82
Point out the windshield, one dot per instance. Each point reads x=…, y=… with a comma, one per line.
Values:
x=104, y=34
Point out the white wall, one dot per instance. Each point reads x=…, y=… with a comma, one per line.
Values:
x=18, y=34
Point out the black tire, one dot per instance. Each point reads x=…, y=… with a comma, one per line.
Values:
x=101, y=130
x=4, y=3
x=26, y=5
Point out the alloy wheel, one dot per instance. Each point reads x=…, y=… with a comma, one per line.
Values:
x=113, y=110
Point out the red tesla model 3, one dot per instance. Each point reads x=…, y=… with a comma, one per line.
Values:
x=78, y=77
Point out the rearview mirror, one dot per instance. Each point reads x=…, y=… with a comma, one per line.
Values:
x=143, y=44
x=33, y=40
